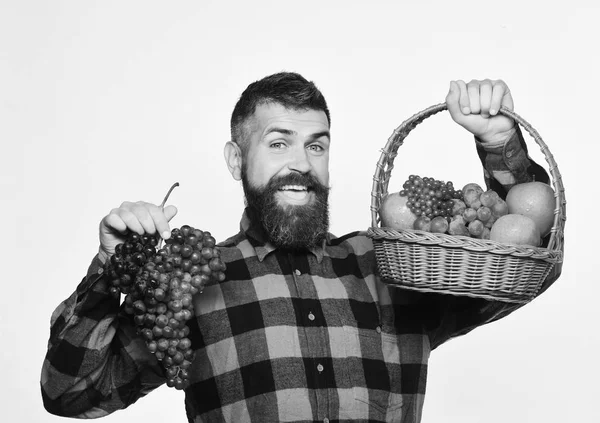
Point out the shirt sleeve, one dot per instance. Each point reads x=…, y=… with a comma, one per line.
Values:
x=96, y=363
x=505, y=165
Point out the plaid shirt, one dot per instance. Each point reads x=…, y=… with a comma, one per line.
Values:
x=288, y=336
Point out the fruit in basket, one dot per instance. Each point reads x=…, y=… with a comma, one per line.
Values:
x=458, y=207
x=469, y=215
x=484, y=213
x=430, y=197
x=457, y=226
x=500, y=208
x=439, y=224
x=489, y=198
x=486, y=233
x=395, y=213
x=471, y=193
x=490, y=222
x=535, y=200
x=422, y=223
x=476, y=228
x=432, y=205
x=515, y=229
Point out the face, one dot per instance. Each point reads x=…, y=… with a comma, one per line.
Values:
x=283, y=142
x=285, y=174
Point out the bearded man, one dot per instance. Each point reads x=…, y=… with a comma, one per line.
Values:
x=301, y=328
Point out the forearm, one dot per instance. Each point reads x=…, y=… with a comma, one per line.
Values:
x=96, y=363
x=453, y=316
x=508, y=163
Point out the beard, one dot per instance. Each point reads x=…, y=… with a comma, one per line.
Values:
x=289, y=226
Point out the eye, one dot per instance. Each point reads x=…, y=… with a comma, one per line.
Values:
x=316, y=148
x=278, y=145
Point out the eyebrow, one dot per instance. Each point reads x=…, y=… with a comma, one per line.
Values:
x=317, y=135
x=281, y=131
x=284, y=131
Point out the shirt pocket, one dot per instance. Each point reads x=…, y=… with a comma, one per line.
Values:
x=375, y=373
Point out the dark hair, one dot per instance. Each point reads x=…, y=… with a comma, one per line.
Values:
x=289, y=89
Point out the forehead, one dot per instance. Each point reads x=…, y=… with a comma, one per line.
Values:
x=268, y=115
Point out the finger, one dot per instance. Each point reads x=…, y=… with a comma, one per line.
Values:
x=114, y=223
x=500, y=97
x=143, y=216
x=473, y=92
x=452, y=99
x=161, y=219
x=485, y=97
x=170, y=212
x=464, y=97
x=131, y=220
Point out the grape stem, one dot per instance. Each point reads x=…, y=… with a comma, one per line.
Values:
x=162, y=207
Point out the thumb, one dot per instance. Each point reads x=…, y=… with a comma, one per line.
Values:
x=170, y=212
x=452, y=100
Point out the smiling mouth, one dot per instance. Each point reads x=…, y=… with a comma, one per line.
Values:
x=294, y=188
x=295, y=194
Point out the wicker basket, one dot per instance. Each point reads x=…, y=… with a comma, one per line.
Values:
x=460, y=265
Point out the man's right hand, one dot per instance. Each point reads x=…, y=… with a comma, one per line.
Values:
x=139, y=217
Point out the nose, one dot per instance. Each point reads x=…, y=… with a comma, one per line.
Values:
x=299, y=161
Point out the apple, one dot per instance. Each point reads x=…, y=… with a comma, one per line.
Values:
x=516, y=229
x=395, y=213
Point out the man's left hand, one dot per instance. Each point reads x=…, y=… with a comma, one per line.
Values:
x=475, y=107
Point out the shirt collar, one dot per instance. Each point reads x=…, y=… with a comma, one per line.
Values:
x=258, y=238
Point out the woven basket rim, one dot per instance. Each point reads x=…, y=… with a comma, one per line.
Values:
x=466, y=243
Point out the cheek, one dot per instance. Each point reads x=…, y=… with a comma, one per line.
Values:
x=321, y=170
x=259, y=173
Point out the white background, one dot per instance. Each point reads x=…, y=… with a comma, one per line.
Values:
x=106, y=101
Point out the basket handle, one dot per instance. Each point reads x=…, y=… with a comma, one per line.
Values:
x=390, y=151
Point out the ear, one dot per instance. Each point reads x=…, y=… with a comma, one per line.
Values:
x=233, y=158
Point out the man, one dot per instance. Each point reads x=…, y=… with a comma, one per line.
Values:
x=301, y=329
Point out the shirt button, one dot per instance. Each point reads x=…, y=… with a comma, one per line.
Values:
x=297, y=272
x=325, y=420
x=100, y=271
x=378, y=329
x=320, y=368
x=311, y=316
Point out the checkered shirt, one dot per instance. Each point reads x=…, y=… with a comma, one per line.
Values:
x=289, y=336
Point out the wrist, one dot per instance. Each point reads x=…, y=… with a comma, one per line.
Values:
x=103, y=256
x=497, y=139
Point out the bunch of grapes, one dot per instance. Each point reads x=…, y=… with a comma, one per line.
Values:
x=159, y=284
x=430, y=197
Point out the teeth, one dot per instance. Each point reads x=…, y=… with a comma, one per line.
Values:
x=293, y=188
